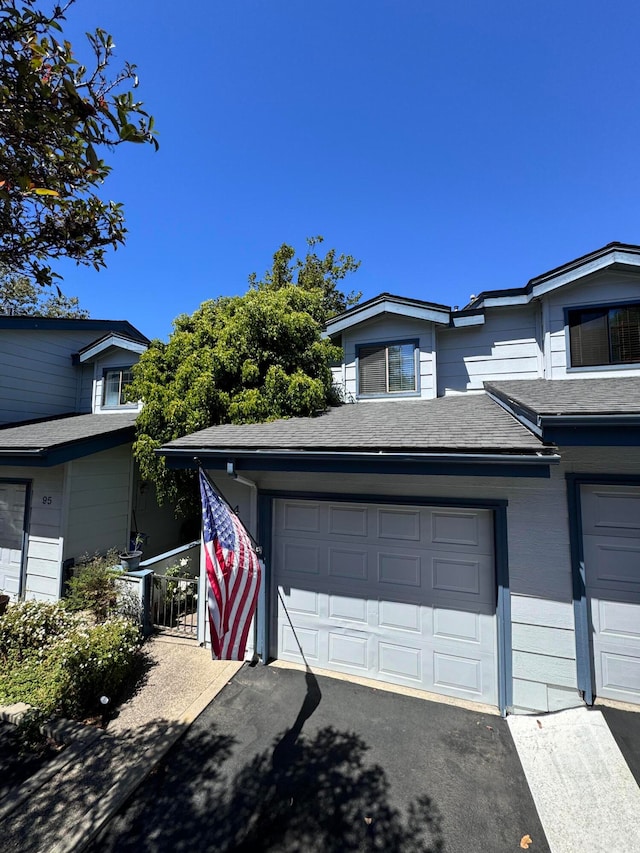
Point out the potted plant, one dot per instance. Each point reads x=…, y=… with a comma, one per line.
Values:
x=130, y=558
x=4, y=602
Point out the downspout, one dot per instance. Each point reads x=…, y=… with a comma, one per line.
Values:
x=253, y=530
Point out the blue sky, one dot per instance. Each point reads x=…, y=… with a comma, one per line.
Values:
x=450, y=147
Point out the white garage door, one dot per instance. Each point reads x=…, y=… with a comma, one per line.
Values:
x=12, y=501
x=394, y=593
x=611, y=530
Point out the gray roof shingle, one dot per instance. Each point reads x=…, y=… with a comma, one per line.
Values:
x=48, y=434
x=604, y=396
x=467, y=423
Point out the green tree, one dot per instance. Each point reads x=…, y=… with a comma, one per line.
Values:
x=241, y=359
x=56, y=118
x=20, y=296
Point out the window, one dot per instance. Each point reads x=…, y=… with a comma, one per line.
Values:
x=387, y=369
x=113, y=385
x=608, y=335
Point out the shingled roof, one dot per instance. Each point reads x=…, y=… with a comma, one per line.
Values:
x=58, y=439
x=470, y=423
x=607, y=396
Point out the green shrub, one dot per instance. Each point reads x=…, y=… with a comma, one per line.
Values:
x=29, y=627
x=97, y=661
x=57, y=664
x=94, y=586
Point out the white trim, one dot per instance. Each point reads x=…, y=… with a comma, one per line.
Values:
x=385, y=306
x=615, y=256
x=472, y=320
x=111, y=341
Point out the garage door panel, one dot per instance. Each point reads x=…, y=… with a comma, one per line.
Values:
x=399, y=524
x=348, y=609
x=303, y=516
x=455, y=672
x=616, y=619
x=612, y=563
x=373, y=594
x=351, y=521
x=456, y=625
x=611, y=511
x=348, y=563
x=611, y=551
x=398, y=616
x=307, y=638
x=620, y=675
x=400, y=661
x=348, y=649
x=303, y=601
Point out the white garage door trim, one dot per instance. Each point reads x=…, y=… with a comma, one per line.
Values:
x=366, y=633
x=610, y=557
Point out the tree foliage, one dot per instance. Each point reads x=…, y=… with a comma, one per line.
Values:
x=20, y=296
x=241, y=359
x=56, y=118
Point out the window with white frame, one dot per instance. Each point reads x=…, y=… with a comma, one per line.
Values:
x=114, y=381
x=604, y=335
x=387, y=369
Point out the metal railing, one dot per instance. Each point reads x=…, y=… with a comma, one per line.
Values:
x=174, y=605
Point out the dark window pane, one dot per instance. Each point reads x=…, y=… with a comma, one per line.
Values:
x=624, y=329
x=402, y=367
x=589, y=338
x=372, y=370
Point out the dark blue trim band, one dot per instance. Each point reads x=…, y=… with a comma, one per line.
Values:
x=370, y=465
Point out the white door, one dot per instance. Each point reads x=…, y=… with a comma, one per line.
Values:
x=611, y=533
x=12, y=507
x=394, y=593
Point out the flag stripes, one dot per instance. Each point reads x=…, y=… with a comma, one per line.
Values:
x=234, y=572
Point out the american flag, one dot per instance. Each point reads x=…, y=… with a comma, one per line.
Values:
x=234, y=573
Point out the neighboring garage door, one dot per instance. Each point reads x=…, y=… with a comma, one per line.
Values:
x=12, y=503
x=400, y=594
x=611, y=531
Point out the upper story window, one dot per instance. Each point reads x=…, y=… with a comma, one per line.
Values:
x=605, y=335
x=113, y=384
x=387, y=369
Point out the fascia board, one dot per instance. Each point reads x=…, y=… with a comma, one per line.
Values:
x=107, y=343
x=614, y=257
x=387, y=307
x=470, y=320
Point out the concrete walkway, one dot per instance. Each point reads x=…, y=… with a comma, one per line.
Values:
x=63, y=807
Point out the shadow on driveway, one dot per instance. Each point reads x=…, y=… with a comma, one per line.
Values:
x=239, y=781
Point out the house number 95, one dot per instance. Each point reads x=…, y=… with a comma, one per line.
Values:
x=47, y=499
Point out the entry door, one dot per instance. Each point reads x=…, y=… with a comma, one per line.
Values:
x=12, y=515
x=611, y=531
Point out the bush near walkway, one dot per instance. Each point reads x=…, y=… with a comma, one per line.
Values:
x=61, y=664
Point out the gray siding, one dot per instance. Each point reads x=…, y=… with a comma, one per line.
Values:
x=596, y=290
x=99, y=502
x=385, y=329
x=37, y=378
x=505, y=347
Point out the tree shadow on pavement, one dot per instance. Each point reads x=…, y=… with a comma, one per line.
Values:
x=310, y=794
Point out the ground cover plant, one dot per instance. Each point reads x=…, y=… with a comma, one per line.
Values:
x=62, y=658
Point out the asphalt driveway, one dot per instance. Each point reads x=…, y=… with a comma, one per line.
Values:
x=283, y=760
